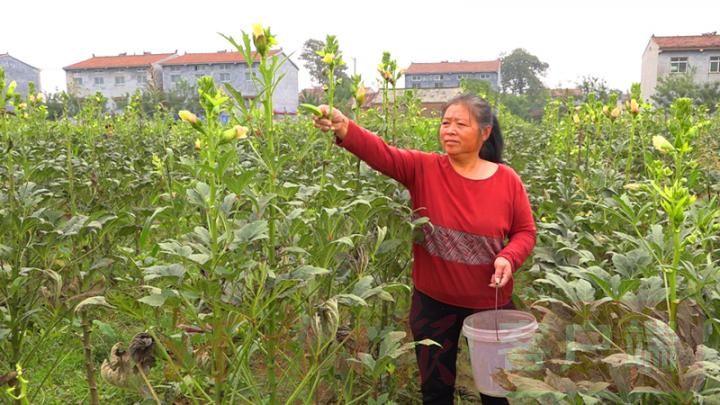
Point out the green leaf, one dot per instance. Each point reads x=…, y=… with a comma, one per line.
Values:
x=350, y=300
x=202, y=235
x=97, y=300
x=253, y=231
x=228, y=203
x=172, y=270
x=73, y=226
x=102, y=263
x=295, y=249
x=154, y=300
x=648, y=390
x=5, y=251
x=345, y=240
x=363, y=285
x=528, y=385
x=592, y=387
x=389, y=246
x=145, y=233
x=198, y=195
x=588, y=400
x=199, y=258
x=106, y=329
x=308, y=272
x=367, y=360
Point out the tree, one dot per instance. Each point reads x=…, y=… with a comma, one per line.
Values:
x=598, y=86
x=60, y=104
x=526, y=106
x=314, y=64
x=679, y=85
x=520, y=71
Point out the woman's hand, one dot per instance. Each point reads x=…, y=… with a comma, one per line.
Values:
x=503, y=273
x=339, y=122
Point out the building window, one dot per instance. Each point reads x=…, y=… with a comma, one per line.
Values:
x=141, y=79
x=224, y=77
x=119, y=80
x=248, y=75
x=678, y=65
x=438, y=85
x=77, y=81
x=715, y=64
x=175, y=78
x=99, y=80
x=437, y=77
x=415, y=78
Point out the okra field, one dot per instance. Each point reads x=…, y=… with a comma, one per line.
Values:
x=264, y=264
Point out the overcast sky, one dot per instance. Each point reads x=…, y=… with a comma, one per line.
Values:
x=600, y=38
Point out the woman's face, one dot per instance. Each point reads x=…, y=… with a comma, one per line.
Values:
x=460, y=133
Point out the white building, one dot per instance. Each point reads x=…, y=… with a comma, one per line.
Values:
x=115, y=76
x=19, y=71
x=698, y=55
x=231, y=67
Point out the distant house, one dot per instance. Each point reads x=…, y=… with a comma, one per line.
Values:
x=698, y=55
x=115, y=76
x=20, y=72
x=448, y=74
x=312, y=93
x=564, y=93
x=230, y=67
x=431, y=100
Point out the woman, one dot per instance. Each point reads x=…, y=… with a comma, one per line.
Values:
x=474, y=203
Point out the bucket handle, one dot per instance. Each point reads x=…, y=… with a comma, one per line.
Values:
x=497, y=291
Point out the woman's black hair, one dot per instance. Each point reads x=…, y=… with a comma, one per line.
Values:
x=493, y=147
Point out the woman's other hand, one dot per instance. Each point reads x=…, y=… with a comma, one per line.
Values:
x=339, y=123
x=503, y=273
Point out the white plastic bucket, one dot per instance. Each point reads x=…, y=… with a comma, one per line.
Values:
x=487, y=354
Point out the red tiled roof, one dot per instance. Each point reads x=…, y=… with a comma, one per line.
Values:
x=454, y=67
x=688, y=42
x=119, y=61
x=557, y=93
x=212, y=57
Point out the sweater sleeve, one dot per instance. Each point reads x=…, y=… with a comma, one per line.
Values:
x=522, y=231
x=388, y=160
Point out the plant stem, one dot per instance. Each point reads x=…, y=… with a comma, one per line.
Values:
x=69, y=170
x=147, y=383
x=672, y=279
x=394, y=112
x=628, y=163
x=385, y=109
x=328, y=146
x=89, y=365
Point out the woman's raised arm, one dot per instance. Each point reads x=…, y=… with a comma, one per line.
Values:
x=400, y=164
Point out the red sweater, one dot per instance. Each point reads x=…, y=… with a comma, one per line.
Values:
x=470, y=220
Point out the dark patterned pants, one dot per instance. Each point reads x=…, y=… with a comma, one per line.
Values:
x=431, y=319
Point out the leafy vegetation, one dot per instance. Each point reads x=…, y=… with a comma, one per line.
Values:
x=265, y=265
